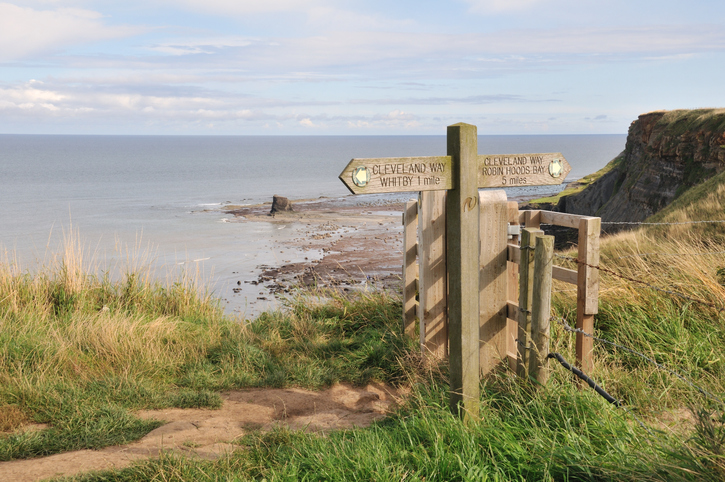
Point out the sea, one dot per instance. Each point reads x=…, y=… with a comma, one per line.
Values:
x=157, y=202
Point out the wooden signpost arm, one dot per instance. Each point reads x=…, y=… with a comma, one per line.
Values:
x=462, y=229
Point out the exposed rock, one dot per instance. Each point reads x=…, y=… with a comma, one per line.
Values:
x=280, y=204
x=666, y=154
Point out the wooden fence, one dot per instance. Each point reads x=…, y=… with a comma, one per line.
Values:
x=515, y=289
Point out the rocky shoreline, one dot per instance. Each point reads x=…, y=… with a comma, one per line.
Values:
x=353, y=245
x=360, y=246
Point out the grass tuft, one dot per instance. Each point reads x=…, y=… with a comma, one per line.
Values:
x=11, y=418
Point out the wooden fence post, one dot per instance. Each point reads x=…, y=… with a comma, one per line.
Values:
x=513, y=289
x=462, y=254
x=493, y=279
x=432, y=279
x=410, y=269
x=587, y=298
x=541, y=308
x=526, y=286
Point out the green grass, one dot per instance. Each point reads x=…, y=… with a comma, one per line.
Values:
x=82, y=369
x=560, y=433
x=675, y=123
x=81, y=353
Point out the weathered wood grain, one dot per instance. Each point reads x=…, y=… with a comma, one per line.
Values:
x=541, y=308
x=510, y=170
x=398, y=174
x=512, y=330
x=493, y=279
x=462, y=237
x=432, y=284
x=526, y=278
x=410, y=269
x=587, y=289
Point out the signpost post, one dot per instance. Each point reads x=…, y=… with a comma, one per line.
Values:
x=462, y=172
x=462, y=260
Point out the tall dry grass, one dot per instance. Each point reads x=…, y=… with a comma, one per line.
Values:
x=67, y=321
x=75, y=280
x=664, y=298
x=79, y=350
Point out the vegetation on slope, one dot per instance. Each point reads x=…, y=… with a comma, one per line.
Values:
x=704, y=202
x=667, y=153
x=83, y=369
x=692, y=121
x=81, y=353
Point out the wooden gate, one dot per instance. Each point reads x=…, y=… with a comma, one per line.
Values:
x=507, y=331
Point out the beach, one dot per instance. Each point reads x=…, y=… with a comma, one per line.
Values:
x=343, y=245
x=346, y=244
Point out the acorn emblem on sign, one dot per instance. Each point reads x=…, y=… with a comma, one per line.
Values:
x=555, y=168
x=361, y=176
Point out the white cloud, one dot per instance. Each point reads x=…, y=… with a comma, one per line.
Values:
x=346, y=55
x=315, y=14
x=201, y=45
x=61, y=101
x=248, y=7
x=390, y=121
x=496, y=6
x=25, y=31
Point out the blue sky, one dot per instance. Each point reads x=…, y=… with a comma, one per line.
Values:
x=311, y=67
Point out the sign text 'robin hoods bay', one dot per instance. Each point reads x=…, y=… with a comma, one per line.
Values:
x=400, y=174
x=512, y=170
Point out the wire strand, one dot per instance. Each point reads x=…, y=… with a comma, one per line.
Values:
x=685, y=379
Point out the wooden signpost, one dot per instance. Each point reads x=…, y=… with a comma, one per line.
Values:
x=401, y=174
x=460, y=174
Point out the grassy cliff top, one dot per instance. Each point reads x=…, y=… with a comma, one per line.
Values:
x=681, y=121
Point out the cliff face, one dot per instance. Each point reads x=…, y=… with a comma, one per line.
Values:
x=666, y=154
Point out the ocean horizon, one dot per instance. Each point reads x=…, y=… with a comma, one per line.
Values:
x=164, y=195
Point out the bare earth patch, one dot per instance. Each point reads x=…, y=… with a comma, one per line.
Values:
x=209, y=434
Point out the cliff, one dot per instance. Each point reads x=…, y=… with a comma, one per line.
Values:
x=666, y=154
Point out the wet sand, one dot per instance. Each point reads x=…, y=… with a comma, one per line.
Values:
x=352, y=245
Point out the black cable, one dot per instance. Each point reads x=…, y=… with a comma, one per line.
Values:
x=589, y=381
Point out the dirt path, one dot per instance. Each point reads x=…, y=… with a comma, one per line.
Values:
x=209, y=434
